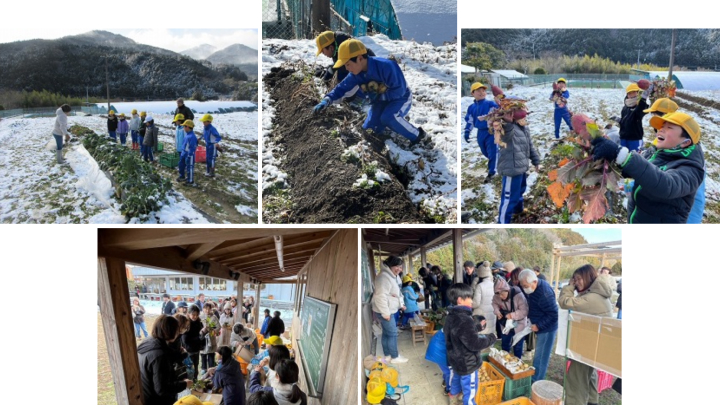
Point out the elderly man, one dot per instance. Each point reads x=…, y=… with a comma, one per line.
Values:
x=387, y=300
x=200, y=302
x=543, y=314
x=470, y=274
x=184, y=110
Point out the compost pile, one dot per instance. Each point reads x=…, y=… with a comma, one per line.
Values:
x=337, y=172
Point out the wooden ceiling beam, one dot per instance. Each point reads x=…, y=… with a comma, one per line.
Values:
x=266, y=251
x=294, y=252
x=196, y=251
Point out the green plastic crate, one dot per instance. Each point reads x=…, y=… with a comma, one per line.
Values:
x=171, y=160
x=160, y=147
x=516, y=388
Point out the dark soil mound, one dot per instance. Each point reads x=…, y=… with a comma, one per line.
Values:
x=321, y=182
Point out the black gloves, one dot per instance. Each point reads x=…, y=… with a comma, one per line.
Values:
x=604, y=148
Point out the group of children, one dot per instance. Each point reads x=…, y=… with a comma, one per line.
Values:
x=668, y=177
x=144, y=135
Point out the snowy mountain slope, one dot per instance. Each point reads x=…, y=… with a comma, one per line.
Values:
x=236, y=54
x=430, y=73
x=200, y=51
x=482, y=201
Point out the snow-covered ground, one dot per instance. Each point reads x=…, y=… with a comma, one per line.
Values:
x=430, y=72
x=599, y=104
x=166, y=107
x=34, y=189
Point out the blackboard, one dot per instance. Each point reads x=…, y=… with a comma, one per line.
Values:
x=317, y=319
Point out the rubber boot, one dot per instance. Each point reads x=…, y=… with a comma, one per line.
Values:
x=59, y=156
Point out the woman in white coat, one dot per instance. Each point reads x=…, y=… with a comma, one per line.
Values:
x=60, y=130
x=388, y=300
x=483, y=292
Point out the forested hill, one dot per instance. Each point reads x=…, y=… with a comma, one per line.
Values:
x=69, y=65
x=694, y=48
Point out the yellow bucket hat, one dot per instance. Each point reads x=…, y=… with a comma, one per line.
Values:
x=685, y=121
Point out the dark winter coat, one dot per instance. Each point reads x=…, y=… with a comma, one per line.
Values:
x=112, y=123
x=168, y=307
x=159, y=384
x=281, y=393
x=191, y=340
x=444, y=283
x=468, y=279
x=463, y=342
x=143, y=127
x=151, y=136
x=618, y=304
x=275, y=327
x=515, y=158
x=631, y=128
x=230, y=379
x=543, y=308
x=138, y=314
x=665, y=185
x=186, y=112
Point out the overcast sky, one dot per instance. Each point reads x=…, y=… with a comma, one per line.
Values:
x=596, y=235
x=176, y=40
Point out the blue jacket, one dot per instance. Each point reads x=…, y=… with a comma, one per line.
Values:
x=696, y=213
x=263, y=330
x=543, y=311
x=211, y=135
x=437, y=351
x=478, y=109
x=380, y=70
x=566, y=95
x=179, y=138
x=230, y=379
x=410, y=299
x=190, y=143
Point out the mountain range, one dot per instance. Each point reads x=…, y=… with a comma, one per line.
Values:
x=75, y=64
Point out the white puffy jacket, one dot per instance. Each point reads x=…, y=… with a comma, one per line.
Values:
x=387, y=298
x=60, y=123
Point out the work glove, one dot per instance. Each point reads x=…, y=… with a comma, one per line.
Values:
x=467, y=136
x=646, y=93
x=604, y=148
x=323, y=105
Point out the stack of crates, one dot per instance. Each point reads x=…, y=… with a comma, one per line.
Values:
x=491, y=392
x=521, y=387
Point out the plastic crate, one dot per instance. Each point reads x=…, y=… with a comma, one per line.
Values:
x=160, y=147
x=516, y=388
x=519, y=401
x=171, y=160
x=490, y=393
x=200, y=154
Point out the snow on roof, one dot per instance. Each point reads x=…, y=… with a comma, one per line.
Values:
x=510, y=74
x=466, y=69
x=693, y=81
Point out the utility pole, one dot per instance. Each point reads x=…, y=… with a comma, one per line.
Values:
x=672, y=54
x=638, y=62
x=107, y=82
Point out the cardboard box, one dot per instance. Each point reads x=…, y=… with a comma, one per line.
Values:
x=204, y=397
x=596, y=341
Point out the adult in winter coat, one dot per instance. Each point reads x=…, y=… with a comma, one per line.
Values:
x=179, y=133
x=444, y=283
x=387, y=300
x=483, y=296
x=187, y=158
x=112, y=124
x=226, y=323
x=509, y=304
x=463, y=344
x=667, y=182
x=60, y=130
x=383, y=82
x=631, y=129
x=184, y=110
x=276, y=326
x=593, y=298
x=122, y=128
x=543, y=315
x=193, y=341
x=159, y=383
x=134, y=128
x=211, y=326
x=475, y=118
x=559, y=97
x=328, y=44
x=212, y=138
x=618, y=304
x=513, y=164
x=470, y=275
x=150, y=140
x=284, y=387
x=431, y=287
x=141, y=131
x=266, y=321
x=139, y=318
x=168, y=306
x=229, y=378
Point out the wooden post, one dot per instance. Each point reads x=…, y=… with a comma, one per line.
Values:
x=411, y=269
x=371, y=260
x=423, y=257
x=117, y=323
x=557, y=279
x=457, y=254
x=552, y=266
x=256, y=307
x=239, y=297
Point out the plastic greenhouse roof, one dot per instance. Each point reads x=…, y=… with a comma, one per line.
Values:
x=693, y=81
x=466, y=69
x=510, y=74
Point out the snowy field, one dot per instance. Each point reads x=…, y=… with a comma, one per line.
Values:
x=34, y=189
x=481, y=201
x=430, y=72
x=167, y=107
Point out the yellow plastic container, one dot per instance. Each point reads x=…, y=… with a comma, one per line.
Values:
x=490, y=393
x=518, y=401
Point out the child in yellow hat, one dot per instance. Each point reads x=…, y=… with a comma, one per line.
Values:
x=559, y=97
x=112, y=124
x=631, y=130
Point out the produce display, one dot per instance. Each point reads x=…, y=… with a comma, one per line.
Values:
x=510, y=362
